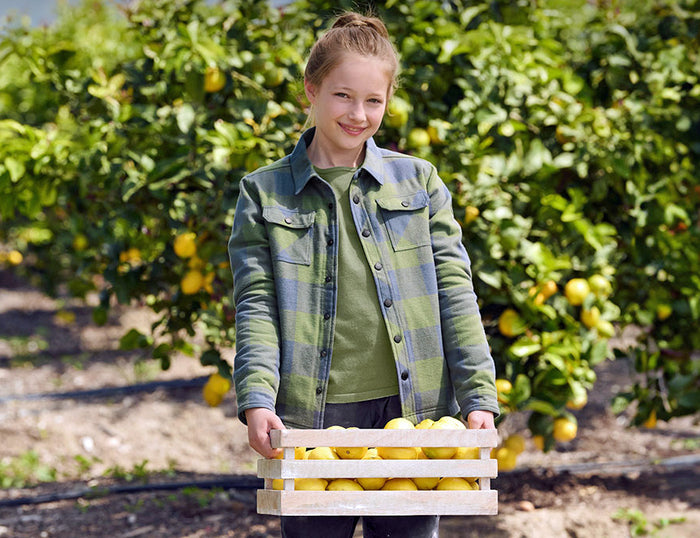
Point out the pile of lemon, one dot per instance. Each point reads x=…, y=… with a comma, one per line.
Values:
x=393, y=453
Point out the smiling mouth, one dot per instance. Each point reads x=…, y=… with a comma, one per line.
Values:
x=354, y=131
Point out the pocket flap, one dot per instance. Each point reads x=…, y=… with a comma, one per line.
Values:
x=291, y=218
x=406, y=202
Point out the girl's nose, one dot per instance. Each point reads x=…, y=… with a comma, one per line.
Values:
x=357, y=113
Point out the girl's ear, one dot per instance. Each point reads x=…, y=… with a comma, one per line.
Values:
x=310, y=90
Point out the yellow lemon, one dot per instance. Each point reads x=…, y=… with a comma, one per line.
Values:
x=510, y=323
x=425, y=424
x=185, y=245
x=578, y=402
x=503, y=387
x=80, y=242
x=215, y=388
x=576, y=290
x=310, y=484
x=399, y=484
x=372, y=483
x=444, y=453
x=564, y=429
x=454, y=483
x=214, y=79
x=343, y=484
x=650, y=422
x=349, y=452
x=515, y=442
x=506, y=458
x=322, y=453
x=192, y=282
x=467, y=453
x=425, y=483
x=590, y=316
x=15, y=257
x=299, y=452
x=398, y=453
x=538, y=441
x=278, y=484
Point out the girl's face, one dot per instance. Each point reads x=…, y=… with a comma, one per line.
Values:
x=348, y=106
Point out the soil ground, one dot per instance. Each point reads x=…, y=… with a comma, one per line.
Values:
x=611, y=481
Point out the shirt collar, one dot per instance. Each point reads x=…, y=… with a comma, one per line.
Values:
x=303, y=170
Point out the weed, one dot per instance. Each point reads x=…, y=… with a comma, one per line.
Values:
x=640, y=526
x=23, y=470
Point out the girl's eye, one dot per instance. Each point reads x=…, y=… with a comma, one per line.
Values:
x=375, y=101
x=341, y=94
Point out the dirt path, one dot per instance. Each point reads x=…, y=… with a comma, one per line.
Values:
x=169, y=434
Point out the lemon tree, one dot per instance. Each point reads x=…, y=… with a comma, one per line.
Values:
x=566, y=131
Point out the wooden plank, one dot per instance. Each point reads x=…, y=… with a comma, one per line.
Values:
x=382, y=503
x=376, y=468
x=377, y=437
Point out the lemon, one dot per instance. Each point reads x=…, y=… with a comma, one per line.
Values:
x=349, y=452
x=600, y=285
x=418, y=138
x=564, y=429
x=192, y=282
x=590, y=316
x=443, y=453
x=515, y=442
x=576, y=290
x=15, y=257
x=538, y=441
x=399, y=484
x=398, y=453
x=215, y=388
x=467, y=453
x=322, y=453
x=510, y=323
x=214, y=79
x=185, y=245
x=299, y=452
x=425, y=424
x=650, y=422
x=372, y=483
x=471, y=213
x=344, y=484
x=278, y=484
x=578, y=402
x=507, y=458
x=425, y=483
x=454, y=483
x=80, y=242
x=503, y=388
x=310, y=484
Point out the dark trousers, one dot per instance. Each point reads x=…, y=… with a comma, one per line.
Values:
x=369, y=414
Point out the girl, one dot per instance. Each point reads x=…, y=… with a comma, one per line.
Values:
x=353, y=291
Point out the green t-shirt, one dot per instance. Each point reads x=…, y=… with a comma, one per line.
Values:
x=362, y=367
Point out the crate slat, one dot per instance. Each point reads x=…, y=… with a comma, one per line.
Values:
x=380, y=437
x=373, y=468
x=378, y=503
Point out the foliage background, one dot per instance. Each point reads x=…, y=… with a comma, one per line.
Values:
x=568, y=132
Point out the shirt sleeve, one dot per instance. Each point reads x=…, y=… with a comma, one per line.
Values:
x=256, y=363
x=466, y=349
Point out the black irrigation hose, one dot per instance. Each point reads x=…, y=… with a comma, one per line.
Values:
x=242, y=482
x=249, y=482
x=107, y=392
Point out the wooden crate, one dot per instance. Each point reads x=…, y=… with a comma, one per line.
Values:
x=360, y=503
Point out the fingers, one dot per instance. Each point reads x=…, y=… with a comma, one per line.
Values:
x=480, y=420
x=260, y=422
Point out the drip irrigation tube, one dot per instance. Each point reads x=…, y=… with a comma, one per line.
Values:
x=250, y=482
x=242, y=482
x=107, y=392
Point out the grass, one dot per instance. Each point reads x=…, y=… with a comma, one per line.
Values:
x=25, y=470
x=639, y=524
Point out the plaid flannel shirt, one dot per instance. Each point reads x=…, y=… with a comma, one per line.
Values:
x=284, y=256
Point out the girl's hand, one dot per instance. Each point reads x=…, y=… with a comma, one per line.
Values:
x=480, y=420
x=260, y=422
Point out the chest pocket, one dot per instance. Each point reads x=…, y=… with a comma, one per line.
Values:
x=290, y=232
x=406, y=220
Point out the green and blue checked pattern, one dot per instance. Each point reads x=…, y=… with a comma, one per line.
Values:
x=284, y=258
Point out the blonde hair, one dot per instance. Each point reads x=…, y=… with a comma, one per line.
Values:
x=352, y=32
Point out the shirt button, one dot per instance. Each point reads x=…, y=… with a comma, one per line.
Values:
x=324, y=353
x=404, y=375
x=328, y=279
x=404, y=203
x=388, y=302
x=326, y=316
x=365, y=233
x=330, y=206
x=397, y=338
x=288, y=220
x=356, y=199
x=378, y=266
x=319, y=390
x=330, y=242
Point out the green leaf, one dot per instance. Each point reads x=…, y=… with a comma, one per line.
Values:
x=185, y=118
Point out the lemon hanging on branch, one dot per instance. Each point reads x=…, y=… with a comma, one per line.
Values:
x=215, y=389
